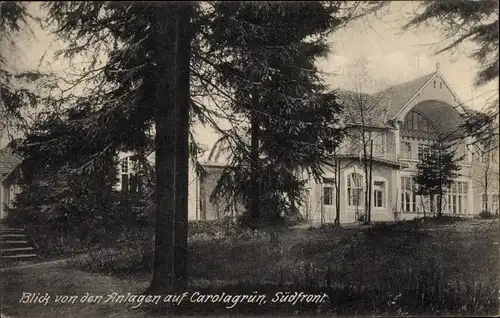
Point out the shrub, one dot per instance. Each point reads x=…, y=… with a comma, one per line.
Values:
x=393, y=228
x=486, y=215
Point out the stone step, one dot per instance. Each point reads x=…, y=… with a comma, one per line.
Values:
x=12, y=235
x=18, y=256
x=14, y=245
x=15, y=250
x=13, y=242
x=20, y=231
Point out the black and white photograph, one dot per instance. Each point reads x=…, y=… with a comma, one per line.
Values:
x=249, y=158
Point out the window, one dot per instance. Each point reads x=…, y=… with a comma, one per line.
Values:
x=423, y=151
x=408, y=195
x=425, y=125
x=489, y=204
x=379, y=144
x=132, y=176
x=125, y=174
x=379, y=194
x=124, y=165
x=355, y=189
x=456, y=198
x=415, y=121
x=494, y=203
x=487, y=157
x=328, y=195
x=441, y=85
x=483, y=158
x=484, y=202
x=405, y=150
x=378, y=139
x=434, y=84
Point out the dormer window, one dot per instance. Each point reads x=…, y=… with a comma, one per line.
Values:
x=434, y=84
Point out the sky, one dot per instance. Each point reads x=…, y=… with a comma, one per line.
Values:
x=393, y=56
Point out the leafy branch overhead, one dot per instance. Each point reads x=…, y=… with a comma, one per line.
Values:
x=461, y=21
x=297, y=117
x=476, y=22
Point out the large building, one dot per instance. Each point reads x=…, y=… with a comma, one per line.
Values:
x=402, y=121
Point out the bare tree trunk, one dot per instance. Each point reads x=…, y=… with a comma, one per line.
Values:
x=366, y=171
x=440, y=203
x=254, y=159
x=183, y=57
x=164, y=158
x=486, y=176
x=432, y=204
x=337, y=189
x=370, y=203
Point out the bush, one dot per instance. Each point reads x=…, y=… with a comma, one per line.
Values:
x=393, y=228
x=50, y=243
x=486, y=215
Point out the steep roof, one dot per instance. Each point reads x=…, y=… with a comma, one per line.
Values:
x=381, y=106
x=356, y=102
x=399, y=95
x=8, y=161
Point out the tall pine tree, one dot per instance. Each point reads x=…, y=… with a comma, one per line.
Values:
x=436, y=173
x=130, y=68
x=265, y=54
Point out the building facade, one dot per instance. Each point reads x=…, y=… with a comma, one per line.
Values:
x=401, y=124
x=8, y=164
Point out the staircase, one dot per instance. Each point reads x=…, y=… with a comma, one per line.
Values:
x=14, y=246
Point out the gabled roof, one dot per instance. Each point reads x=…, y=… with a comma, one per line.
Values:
x=354, y=102
x=384, y=105
x=399, y=95
x=8, y=161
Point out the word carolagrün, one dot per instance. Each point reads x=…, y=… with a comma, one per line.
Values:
x=230, y=300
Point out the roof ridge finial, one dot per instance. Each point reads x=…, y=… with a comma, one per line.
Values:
x=437, y=66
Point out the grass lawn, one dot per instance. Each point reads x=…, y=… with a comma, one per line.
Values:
x=382, y=257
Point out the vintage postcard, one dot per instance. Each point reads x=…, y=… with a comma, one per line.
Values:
x=274, y=158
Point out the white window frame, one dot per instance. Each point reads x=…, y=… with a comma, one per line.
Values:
x=385, y=194
x=494, y=203
x=413, y=198
x=457, y=198
x=125, y=165
x=483, y=201
x=379, y=142
x=349, y=180
x=423, y=150
x=379, y=148
x=409, y=150
x=328, y=187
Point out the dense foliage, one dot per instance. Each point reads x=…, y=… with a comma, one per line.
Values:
x=269, y=50
x=436, y=172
